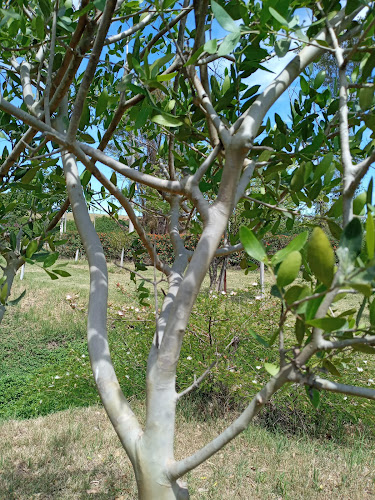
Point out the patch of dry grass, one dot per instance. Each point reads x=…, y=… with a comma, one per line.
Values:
x=76, y=455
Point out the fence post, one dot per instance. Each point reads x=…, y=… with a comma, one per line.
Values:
x=122, y=258
x=261, y=269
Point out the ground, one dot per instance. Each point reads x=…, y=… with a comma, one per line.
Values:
x=75, y=453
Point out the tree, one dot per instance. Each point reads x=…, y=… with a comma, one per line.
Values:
x=217, y=136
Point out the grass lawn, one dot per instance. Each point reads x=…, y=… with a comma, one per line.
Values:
x=67, y=448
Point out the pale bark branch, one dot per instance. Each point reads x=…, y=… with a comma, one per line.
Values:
x=115, y=404
x=210, y=110
x=47, y=90
x=28, y=96
x=137, y=27
x=327, y=385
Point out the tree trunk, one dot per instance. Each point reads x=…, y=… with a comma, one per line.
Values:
x=213, y=273
x=154, y=485
x=13, y=264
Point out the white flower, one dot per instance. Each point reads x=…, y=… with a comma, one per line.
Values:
x=370, y=381
x=233, y=293
x=189, y=358
x=258, y=367
x=120, y=313
x=214, y=296
x=68, y=297
x=223, y=293
x=40, y=401
x=255, y=283
x=67, y=373
x=345, y=398
x=359, y=369
x=83, y=356
x=136, y=309
x=57, y=377
x=254, y=381
x=127, y=376
x=127, y=352
x=365, y=362
x=258, y=297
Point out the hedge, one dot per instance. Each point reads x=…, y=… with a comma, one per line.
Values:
x=113, y=242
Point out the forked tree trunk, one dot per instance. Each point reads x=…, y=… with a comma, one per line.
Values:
x=152, y=484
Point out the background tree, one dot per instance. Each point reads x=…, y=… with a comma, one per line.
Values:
x=217, y=135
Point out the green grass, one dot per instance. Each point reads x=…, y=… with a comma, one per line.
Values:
x=46, y=365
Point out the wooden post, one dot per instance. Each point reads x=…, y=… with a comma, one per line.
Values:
x=261, y=269
x=122, y=258
x=22, y=272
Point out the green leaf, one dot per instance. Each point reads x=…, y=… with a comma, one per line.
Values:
x=9, y=208
x=62, y=273
x=39, y=27
x=296, y=292
x=304, y=85
x=14, y=302
x=195, y=56
x=299, y=330
x=363, y=288
x=102, y=103
x=364, y=348
x=29, y=176
x=327, y=324
x=258, y=338
x=167, y=121
x=252, y=246
x=289, y=269
x=31, y=248
x=281, y=47
x=51, y=275
x=366, y=97
x=13, y=240
x=87, y=138
x=335, y=229
x=51, y=259
x=295, y=245
x=278, y=17
x=4, y=293
x=211, y=46
x=319, y=79
x=271, y=369
x=100, y=4
x=370, y=236
x=359, y=203
x=273, y=338
x=159, y=63
x=351, y=241
x=314, y=396
x=166, y=78
x=372, y=313
x=328, y=365
x=223, y=17
x=124, y=82
x=85, y=178
x=229, y=43
x=45, y=7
